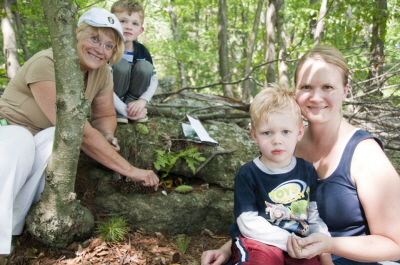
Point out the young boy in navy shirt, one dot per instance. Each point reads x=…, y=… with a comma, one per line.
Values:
x=274, y=195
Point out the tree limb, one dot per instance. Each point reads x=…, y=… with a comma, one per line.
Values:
x=213, y=153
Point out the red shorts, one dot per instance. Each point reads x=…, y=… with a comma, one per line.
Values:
x=248, y=251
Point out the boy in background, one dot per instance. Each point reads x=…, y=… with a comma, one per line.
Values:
x=274, y=195
x=135, y=81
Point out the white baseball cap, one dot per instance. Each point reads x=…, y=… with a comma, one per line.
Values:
x=99, y=17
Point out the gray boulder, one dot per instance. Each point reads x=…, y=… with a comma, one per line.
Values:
x=208, y=206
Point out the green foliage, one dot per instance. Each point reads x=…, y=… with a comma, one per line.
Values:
x=113, y=229
x=347, y=26
x=167, y=160
x=183, y=242
x=3, y=79
x=36, y=33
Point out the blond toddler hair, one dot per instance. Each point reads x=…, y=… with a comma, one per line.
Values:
x=273, y=99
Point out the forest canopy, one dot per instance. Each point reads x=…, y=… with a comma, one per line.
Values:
x=184, y=39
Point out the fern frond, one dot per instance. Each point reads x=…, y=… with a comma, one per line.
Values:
x=167, y=161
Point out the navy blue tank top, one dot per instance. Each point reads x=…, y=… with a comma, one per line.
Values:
x=336, y=196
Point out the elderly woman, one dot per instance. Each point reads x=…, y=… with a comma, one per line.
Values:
x=28, y=107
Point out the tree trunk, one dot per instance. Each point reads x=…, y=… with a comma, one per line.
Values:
x=270, y=42
x=59, y=218
x=320, y=24
x=10, y=49
x=174, y=27
x=223, y=50
x=249, y=55
x=283, y=68
x=377, y=55
x=197, y=19
x=20, y=32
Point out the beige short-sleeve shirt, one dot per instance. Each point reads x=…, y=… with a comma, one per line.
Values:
x=17, y=103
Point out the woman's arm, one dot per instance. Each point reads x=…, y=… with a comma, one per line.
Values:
x=94, y=143
x=103, y=113
x=378, y=187
x=104, y=118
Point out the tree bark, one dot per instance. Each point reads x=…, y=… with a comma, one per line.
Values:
x=377, y=54
x=320, y=23
x=10, y=49
x=283, y=68
x=270, y=42
x=223, y=50
x=249, y=55
x=174, y=27
x=59, y=218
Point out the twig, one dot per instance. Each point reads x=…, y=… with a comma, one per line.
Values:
x=213, y=153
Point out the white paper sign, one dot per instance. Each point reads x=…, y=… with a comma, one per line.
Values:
x=196, y=130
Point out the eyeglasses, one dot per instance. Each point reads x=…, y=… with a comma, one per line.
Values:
x=95, y=40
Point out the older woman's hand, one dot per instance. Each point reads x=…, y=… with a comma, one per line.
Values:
x=147, y=177
x=112, y=140
x=308, y=247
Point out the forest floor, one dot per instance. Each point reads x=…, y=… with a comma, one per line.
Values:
x=136, y=247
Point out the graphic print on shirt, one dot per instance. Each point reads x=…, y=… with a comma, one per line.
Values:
x=289, y=209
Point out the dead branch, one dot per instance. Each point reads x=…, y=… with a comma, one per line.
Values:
x=213, y=153
x=214, y=102
x=226, y=116
x=165, y=113
x=219, y=100
x=246, y=77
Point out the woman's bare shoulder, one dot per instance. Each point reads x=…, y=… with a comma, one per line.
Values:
x=370, y=159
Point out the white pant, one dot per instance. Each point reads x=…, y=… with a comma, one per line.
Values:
x=23, y=160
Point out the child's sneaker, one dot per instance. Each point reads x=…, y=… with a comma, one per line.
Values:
x=122, y=118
